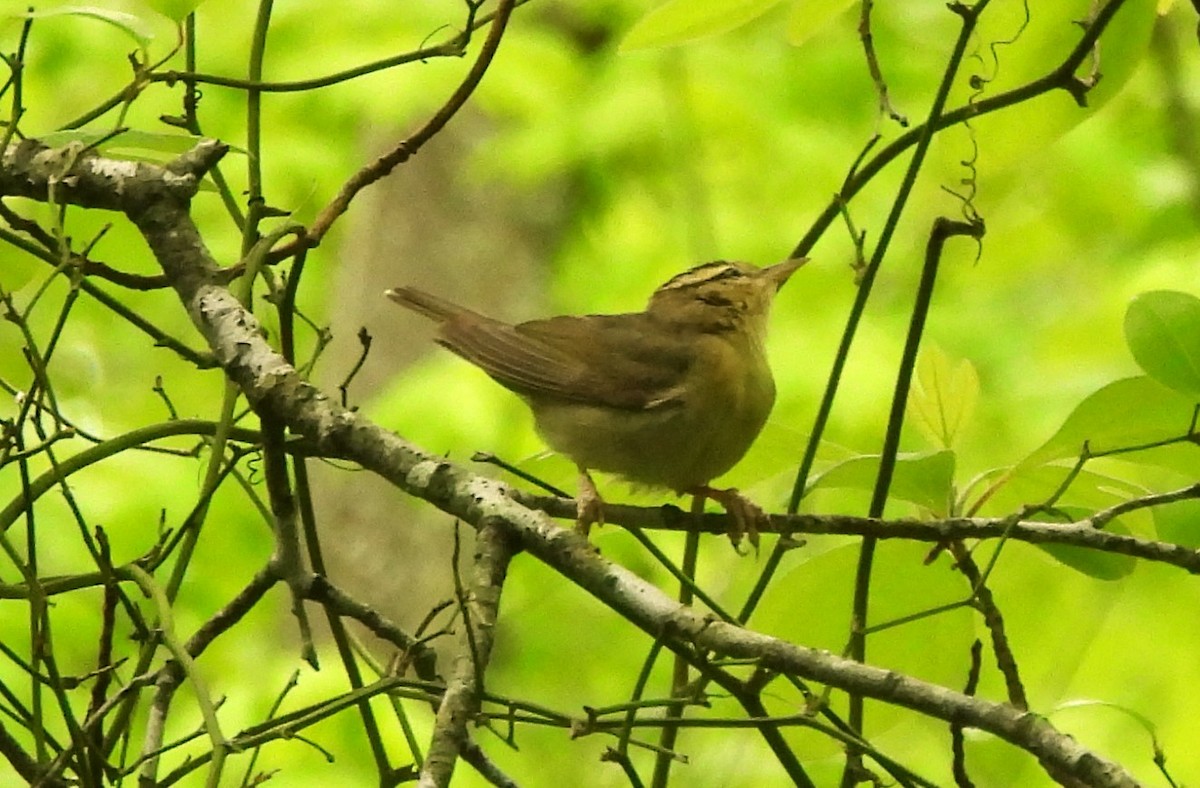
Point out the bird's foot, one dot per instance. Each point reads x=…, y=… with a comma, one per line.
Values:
x=589, y=506
x=745, y=516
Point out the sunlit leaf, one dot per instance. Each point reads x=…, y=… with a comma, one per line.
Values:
x=1125, y=413
x=1145, y=722
x=679, y=21
x=129, y=140
x=1162, y=329
x=1014, y=51
x=1099, y=564
x=943, y=396
x=807, y=17
x=133, y=26
x=174, y=9
x=1179, y=522
x=811, y=602
x=1182, y=457
x=923, y=479
x=1027, y=485
x=17, y=271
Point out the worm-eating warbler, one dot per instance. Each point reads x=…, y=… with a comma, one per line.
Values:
x=669, y=397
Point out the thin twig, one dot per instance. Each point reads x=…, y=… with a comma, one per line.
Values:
x=679, y=671
x=868, y=42
x=957, y=741
x=406, y=148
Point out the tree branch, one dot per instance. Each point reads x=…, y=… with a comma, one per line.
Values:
x=494, y=550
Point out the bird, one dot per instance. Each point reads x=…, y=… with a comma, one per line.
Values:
x=670, y=397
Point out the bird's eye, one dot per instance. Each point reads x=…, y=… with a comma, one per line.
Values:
x=715, y=299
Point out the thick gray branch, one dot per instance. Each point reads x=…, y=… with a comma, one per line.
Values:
x=78, y=176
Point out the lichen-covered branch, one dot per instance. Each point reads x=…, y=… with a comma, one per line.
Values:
x=494, y=550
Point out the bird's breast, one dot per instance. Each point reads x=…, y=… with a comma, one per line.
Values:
x=725, y=398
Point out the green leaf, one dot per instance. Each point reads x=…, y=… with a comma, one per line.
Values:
x=1145, y=722
x=1014, y=51
x=943, y=396
x=901, y=585
x=174, y=9
x=923, y=479
x=1090, y=490
x=808, y=17
x=1162, y=329
x=680, y=21
x=128, y=140
x=1180, y=457
x=1178, y=522
x=17, y=271
x=1094, y=563
x=1125, y=413
x=133, y=26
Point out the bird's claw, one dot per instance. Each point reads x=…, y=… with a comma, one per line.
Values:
x=745, y=516
x=589, y=506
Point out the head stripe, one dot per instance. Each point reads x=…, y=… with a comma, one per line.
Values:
x=708, y=272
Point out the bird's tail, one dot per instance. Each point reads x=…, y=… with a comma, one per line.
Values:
x=424, y=303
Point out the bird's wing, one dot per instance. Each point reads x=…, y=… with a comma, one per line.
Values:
x=609, y=360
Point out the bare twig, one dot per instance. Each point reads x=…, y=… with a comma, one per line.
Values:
x=868, y=42
x=679, y=668
x=364, y=341
x=1006, y=661
x=1104, y=517
x=1076, y=534
x=287, y=562
x=406, y=148
x=957, y=741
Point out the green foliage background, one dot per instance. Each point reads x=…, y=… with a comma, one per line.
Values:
x=723, y=147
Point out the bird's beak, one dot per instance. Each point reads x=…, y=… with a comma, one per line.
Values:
x=781, y=272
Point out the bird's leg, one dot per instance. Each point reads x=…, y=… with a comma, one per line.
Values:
x=589, y=506
x=744, y=514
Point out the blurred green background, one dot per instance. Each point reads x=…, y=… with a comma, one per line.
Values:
x=580, y=177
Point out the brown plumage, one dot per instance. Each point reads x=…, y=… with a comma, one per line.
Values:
x=669, y=397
